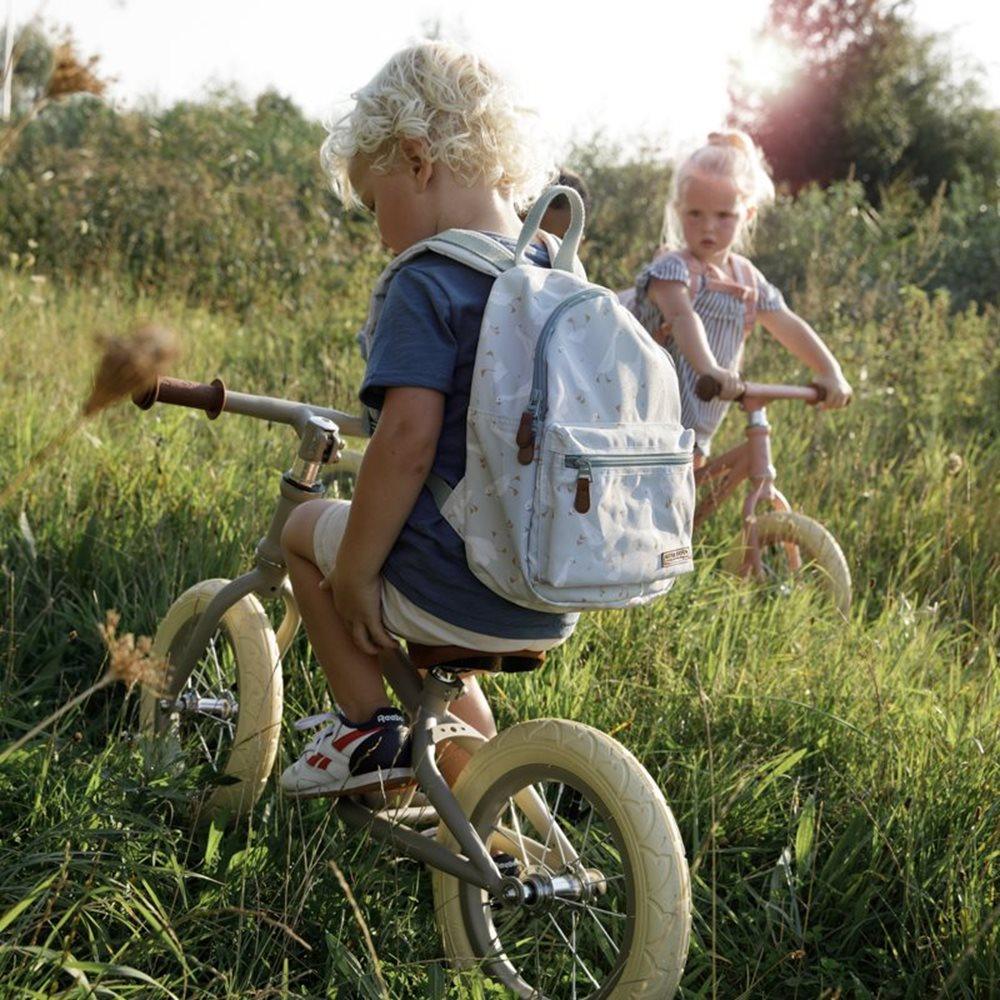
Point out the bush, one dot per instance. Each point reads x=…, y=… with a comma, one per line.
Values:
x=224, y=202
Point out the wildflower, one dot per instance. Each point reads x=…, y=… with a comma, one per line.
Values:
x=954, y=464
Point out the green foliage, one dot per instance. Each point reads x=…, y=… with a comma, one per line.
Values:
x=626, y=215
x=223, y=202
x=862, y=253
x=833, y=781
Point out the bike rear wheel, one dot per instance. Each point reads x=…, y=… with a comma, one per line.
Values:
x=605, y=830
x=216, y=732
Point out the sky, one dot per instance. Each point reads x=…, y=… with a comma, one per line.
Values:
x=626, y=73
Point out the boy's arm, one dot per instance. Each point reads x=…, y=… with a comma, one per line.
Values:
x=801, y=340
x=682, y=323
x=396, y=463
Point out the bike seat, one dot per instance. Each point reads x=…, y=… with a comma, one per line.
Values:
x=459, y=658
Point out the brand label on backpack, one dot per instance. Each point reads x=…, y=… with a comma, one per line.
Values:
x=674, y=556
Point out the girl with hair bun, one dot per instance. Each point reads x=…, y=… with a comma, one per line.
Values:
x=700, y=299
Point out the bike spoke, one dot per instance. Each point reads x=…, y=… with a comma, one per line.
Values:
x=557, y=945
x=594, y=909
x=552, y=823
x=576, y=957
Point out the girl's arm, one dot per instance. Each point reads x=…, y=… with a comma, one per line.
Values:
x=800, y=339
x=396, y=463
x=681, y=322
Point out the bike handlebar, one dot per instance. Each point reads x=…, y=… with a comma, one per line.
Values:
x=707, y=388
x=211, y=397
x=214, y=398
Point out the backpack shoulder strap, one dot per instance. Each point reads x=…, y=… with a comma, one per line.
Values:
x=696, y=272
x=475, y=250
x=745, y=274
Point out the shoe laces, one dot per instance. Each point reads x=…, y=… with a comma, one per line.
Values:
x=328, y=720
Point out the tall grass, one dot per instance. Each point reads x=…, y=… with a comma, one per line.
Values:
x=837, y=785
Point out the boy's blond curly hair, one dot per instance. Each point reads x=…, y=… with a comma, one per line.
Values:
x=453, y=101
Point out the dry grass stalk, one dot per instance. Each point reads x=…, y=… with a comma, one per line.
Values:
x=71, y=76
x=130, y=660
x=129, y=364
x=366, y=933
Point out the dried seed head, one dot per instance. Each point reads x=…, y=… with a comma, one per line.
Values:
x=131, y=660
x=71, y=76
x=954, y=464
x=129, y=364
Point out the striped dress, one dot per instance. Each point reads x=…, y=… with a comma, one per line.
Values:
x=723, y=308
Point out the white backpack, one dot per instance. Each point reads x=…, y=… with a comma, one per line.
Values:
x=578, y=490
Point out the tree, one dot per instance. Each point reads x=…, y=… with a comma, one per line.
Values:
x=873, y=96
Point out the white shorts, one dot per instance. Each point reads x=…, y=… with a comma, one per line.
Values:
x=401, y=616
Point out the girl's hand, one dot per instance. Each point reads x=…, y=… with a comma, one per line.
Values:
x=359, y=605
x=730, y=381
x=838, y=390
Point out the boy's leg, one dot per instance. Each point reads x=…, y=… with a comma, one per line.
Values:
x=364, y=745
x=473, y=709
x=354, y=677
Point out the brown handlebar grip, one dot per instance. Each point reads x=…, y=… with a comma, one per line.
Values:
x=211, y=397
x=706, y=388
x=820, y=393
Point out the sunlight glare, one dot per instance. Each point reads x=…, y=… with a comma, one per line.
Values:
x=766, y=64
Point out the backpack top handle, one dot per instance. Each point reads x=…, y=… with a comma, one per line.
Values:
x=571, y=241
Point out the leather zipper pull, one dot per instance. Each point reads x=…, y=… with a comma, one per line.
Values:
x=581, y=502
x=525, y=438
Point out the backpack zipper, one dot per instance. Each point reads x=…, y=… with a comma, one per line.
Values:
x=585, y=465
x=532, y=417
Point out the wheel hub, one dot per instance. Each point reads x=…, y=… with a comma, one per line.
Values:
x=191, y=703
x=539, y=890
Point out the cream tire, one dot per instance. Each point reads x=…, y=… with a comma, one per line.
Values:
x=816, y=545
x=247, y=749
x=647, y=837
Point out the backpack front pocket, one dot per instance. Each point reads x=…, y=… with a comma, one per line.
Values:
x=615, y=512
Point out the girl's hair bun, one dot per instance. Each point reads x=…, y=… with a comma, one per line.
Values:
x=729, y=153
x=735, y=138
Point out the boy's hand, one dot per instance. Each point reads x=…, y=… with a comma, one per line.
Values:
x=359, y=605
x=730, y=381
x=838, y=390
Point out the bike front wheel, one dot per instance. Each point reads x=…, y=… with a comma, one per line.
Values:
x=572, y=808
x=795, y=548
x=215, y=733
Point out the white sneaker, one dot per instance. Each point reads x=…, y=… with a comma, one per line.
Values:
x=347, y=759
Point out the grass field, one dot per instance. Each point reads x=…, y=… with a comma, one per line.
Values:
x=837, y=785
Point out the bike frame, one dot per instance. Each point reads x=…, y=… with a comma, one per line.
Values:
x=426, y=699
x=751, y=461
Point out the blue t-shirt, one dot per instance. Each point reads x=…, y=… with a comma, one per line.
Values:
x=426, y=336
